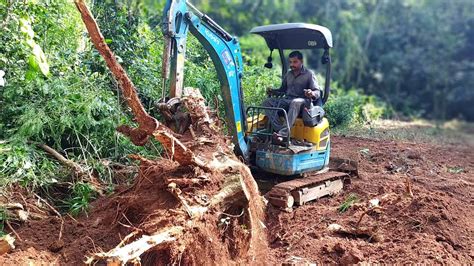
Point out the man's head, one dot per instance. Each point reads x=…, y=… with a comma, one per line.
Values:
x=296, y=60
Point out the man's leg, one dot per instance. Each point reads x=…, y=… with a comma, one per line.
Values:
x=293, y=111
x=273, y=115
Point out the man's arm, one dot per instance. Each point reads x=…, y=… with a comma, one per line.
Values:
x=314, y=86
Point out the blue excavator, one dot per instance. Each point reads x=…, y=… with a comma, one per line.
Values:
x=300, y=170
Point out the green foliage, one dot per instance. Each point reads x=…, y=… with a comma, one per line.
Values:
x=352, y=107
x=3, y=219
x=82, y=194
x=24, y=164
x=348, y=202
x=200, y=73
x=255, y=82
x=60, y=94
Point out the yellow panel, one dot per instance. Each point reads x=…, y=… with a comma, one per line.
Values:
x=315, y=135
x=311, y=134
x=258, y=122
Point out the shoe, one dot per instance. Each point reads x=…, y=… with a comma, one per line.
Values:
x=278, y=139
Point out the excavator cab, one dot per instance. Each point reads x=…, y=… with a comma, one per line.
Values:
x=310, y=133
x=294, y=36
x=302, y=164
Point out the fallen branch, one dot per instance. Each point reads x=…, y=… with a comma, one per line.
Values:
x=363, y=232
x=131, y=253
x=78, y=170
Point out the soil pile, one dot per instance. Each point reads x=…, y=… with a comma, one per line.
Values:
x=423, y=220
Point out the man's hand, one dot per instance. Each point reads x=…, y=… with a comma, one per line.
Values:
x=308, y=93
x=311, y=94
x=269, y=91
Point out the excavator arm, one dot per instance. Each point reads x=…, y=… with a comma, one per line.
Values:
x=181, y=17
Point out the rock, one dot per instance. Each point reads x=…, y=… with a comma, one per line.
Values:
x=351, y=256
x=6, y=244
x=56, y=246
x=334, y=227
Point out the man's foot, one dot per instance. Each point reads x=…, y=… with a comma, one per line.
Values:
x=278, y=139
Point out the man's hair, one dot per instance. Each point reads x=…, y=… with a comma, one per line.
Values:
x=296, y=54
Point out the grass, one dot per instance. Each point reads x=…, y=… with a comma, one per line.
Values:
x=3, y=219
x=348, y=202
x=450, y=132
x=81, y=196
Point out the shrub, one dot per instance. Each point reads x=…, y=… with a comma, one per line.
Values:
x=347, y=107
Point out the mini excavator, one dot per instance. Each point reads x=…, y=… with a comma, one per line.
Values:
x=300, y=170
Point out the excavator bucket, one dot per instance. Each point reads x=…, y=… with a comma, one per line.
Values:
x=315, y=185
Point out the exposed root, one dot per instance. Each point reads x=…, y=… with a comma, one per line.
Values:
x=131, y=253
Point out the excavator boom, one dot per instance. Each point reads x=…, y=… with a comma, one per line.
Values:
x=181, y=17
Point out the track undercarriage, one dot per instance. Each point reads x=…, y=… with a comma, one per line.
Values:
x=310, y=186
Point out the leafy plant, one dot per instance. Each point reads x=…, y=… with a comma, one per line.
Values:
x=455, y=170
x=348, y=202
x=81, y=196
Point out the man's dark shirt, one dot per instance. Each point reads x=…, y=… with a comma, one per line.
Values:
x=294, y=86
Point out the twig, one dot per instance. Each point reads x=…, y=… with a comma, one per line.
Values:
x=13, y=230
x=70, y=216
x=233, y=216
x=56, y=212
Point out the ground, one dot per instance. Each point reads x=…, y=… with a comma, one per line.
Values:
x=433, y=225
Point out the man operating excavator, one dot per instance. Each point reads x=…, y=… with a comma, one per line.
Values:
x=298, y=89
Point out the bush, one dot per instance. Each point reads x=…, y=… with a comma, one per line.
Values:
x=345, y=108
x=58, y=92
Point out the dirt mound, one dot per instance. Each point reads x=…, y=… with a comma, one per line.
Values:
x=144, y=209
x=433, y=226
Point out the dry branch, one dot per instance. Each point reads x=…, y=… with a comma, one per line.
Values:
x=131, y=253
x=78, y=170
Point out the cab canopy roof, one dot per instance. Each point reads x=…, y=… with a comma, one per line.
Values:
x=295, y=36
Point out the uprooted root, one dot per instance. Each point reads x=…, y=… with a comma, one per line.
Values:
x=198, y=202
x=220, y=215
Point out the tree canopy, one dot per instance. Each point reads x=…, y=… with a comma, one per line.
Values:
x=416, y=55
